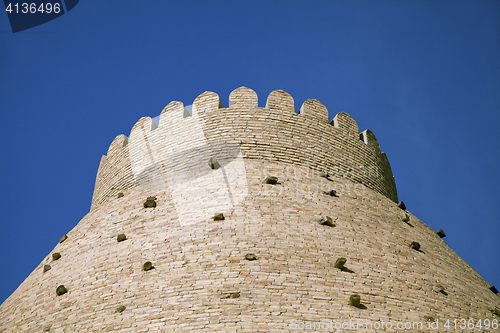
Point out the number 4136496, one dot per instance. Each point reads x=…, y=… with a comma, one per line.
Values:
x=472, y=324
x=26, y=8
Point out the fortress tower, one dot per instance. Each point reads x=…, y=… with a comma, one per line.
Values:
x=235, y=219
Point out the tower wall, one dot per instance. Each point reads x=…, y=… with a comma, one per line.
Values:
x=183, y=142
x=201, y=281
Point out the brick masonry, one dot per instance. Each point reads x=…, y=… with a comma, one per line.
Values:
x=201, y=281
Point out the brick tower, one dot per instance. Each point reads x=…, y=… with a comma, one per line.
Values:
x=249, y=219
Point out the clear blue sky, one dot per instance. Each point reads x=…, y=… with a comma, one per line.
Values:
x=424, y=76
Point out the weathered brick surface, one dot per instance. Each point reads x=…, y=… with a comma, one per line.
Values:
x=199, y=263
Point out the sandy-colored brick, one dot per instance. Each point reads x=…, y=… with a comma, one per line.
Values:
x=199, y=263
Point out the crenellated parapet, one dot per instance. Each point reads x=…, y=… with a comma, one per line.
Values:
x=179, y=147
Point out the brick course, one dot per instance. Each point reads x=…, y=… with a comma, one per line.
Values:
x=201, y=281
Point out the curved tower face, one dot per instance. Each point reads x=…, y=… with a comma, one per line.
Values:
x=236, y=220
